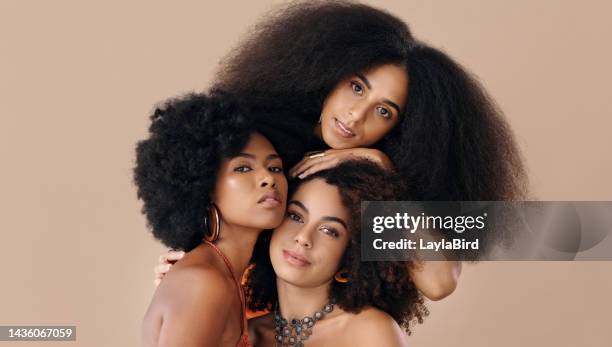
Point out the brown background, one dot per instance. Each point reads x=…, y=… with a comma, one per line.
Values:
x=78, y=79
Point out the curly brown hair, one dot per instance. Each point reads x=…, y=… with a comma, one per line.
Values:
x=386, y=285
x=452, y=142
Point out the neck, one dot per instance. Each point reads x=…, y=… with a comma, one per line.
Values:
x=298, y=302
x=237, y=243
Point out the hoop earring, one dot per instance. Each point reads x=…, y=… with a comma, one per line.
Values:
x=342, y=276
x=212, y=235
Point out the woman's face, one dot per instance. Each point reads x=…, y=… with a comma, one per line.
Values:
x=363, y=108
x=307, y=247
x=251, y=188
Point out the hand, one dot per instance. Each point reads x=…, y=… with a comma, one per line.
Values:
x=165, y=263
x=317, y=161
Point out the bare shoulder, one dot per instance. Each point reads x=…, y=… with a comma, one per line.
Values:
x=194, y=284
x=188, y=294
x=375, y=327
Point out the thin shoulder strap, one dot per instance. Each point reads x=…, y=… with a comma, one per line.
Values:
x=243, y=324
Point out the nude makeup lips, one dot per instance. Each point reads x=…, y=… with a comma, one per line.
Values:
x=295, y=258
x=342, y=129
x=270, y=199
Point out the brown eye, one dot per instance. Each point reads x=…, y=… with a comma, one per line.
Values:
x=242, y=168
x=295, y=217
x=383, y=112
x=329, y=231
x=276, y=169
x=357, y=89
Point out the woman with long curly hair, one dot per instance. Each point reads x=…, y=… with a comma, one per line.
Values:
x=357, y=79
x=324, y=294
x=205, y=167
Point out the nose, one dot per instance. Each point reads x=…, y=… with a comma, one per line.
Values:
x=267, y=180
x=303, y=238
x=357, y=113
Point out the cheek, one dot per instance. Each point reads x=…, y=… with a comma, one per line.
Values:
x=329, y=257
x=281, y=235
x=231, y=189
x=283, y=187
x=336, y=102
x=377, y=129
x=233, y=197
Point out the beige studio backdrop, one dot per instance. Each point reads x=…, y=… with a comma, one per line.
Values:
x=78, y=78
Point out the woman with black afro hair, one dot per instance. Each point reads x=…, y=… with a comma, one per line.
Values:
x=210, y=184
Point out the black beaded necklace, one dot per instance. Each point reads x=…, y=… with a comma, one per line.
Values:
x=296, y=332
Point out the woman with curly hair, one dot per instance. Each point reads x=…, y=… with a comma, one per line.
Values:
x=350, y=81
x=308, y=276
x=357, y=79
x=324, y=294
x=204, y=167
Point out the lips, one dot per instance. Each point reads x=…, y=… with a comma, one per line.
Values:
x=342, y=129
x=270, y=199
x=295, y=258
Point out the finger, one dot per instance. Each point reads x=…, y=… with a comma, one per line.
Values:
x=308, y=160
x=328, y=164
x=162, y=269
x=157, y=282
x=313, y=162
x=295, y=169
x=171, y=257
x=174, y=256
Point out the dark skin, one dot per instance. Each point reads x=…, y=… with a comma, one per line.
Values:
x=198, y=304
x=177, y=320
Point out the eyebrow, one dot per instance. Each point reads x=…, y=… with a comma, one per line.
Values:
x=369, y=86
x=392, y=104
x=335, y=219
x=364, y=79
x=325, y=218
x=251, y=156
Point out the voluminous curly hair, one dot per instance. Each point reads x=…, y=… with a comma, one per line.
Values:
x=296, y=54
x=386, y=285
x=177, y=165
x=452, y=141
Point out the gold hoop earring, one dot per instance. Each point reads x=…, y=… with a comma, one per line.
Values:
x=212, y=232
x=342, y=276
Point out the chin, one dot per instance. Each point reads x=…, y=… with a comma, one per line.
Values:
x=269, y=222
x=291, y=276
x=336, y=143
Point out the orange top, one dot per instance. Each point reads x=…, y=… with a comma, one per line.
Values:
x=243, y=341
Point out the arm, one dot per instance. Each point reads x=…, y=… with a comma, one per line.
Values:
x=194, y=314
x=436, y=279
x=312, y=163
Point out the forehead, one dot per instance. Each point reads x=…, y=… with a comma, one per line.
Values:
x=321, y=199
x=389, y=80
x=258, y=143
